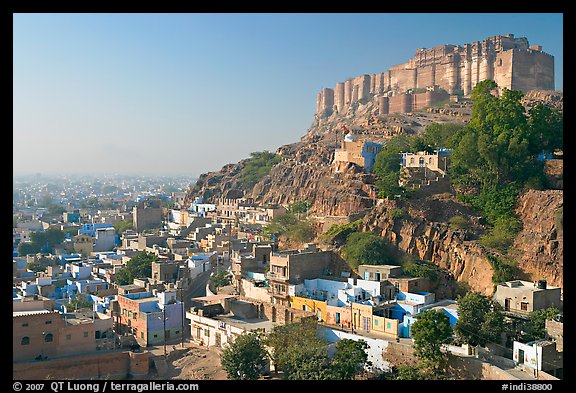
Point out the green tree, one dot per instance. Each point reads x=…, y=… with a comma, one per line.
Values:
x=280, y=224
x=35, y=266
x=387, y=166
x=350, y=358
x=122, y=225
x=56, y=209
x=366, y=248
x=295, y=349
x=245, y=358
x=27, y=248
x=300, y=207
x=430, y=331
x=480, y=319
x=54, y=236
x=537, y=325
x=441, y=135
x=79, y=301
x=139, y=266
x=291, y=227
x=220, y=279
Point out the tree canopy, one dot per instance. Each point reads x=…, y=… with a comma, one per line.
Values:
x=139, y=266
x=297, y=351
x=480, y=319
x=350, y=359
x=245, y=358
x=367, y=248
x=430, y=331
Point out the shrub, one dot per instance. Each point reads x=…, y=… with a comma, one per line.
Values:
x=458, y=222
x=366, y=248
x=504, y=270
x=395, y=213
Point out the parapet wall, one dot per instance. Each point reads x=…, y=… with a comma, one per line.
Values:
x=510, y=61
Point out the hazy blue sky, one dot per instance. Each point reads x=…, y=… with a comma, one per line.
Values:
x=177, y=94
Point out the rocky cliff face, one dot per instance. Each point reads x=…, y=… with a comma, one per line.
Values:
x=539, y=247
x=423, y=233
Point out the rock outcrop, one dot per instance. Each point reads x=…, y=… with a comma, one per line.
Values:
x=539, y=247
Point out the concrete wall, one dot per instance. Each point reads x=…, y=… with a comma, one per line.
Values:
x=250, y=291
x=115, y=365
x=345, y=318
x=385, y=325
x=375, y=346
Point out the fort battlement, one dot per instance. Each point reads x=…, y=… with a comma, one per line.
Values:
x=511, y=62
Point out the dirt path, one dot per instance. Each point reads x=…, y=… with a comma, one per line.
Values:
x=193, y=363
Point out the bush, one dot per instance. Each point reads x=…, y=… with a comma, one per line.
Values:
x=504, y=270
x=366, y=248
x=256, y=167
x=501, y=237
x=459, y=222
x=396, y=213
x=337, y=234
x=419, y=268
x=220, y=279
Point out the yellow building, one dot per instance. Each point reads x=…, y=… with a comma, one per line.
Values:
x=385, y=325
x=362, y=316
x=318, y=307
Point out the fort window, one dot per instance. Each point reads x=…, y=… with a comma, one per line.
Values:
x=49, y=338
x=25, y=324
x=524, y=306
x=500, y=62
x=68, y=337
x=141, y=334
x=85, y=334
x=48, y=322
x=25, y=340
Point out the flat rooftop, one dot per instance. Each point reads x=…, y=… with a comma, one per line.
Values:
x=525, y=285
x=248, y=324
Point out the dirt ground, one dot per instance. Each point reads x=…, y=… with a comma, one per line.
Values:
x=193, y=363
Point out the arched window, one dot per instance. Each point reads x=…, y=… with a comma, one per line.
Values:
x=25, y=340
x=430, y=160
x=49, y=338
x=412, y=160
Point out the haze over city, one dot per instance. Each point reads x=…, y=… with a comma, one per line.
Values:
x=183, y=94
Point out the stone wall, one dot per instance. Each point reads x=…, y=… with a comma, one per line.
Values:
x=506, y=59
x=116, y=365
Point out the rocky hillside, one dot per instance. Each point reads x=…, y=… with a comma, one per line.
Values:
x=539, y=247
x=306, y=173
